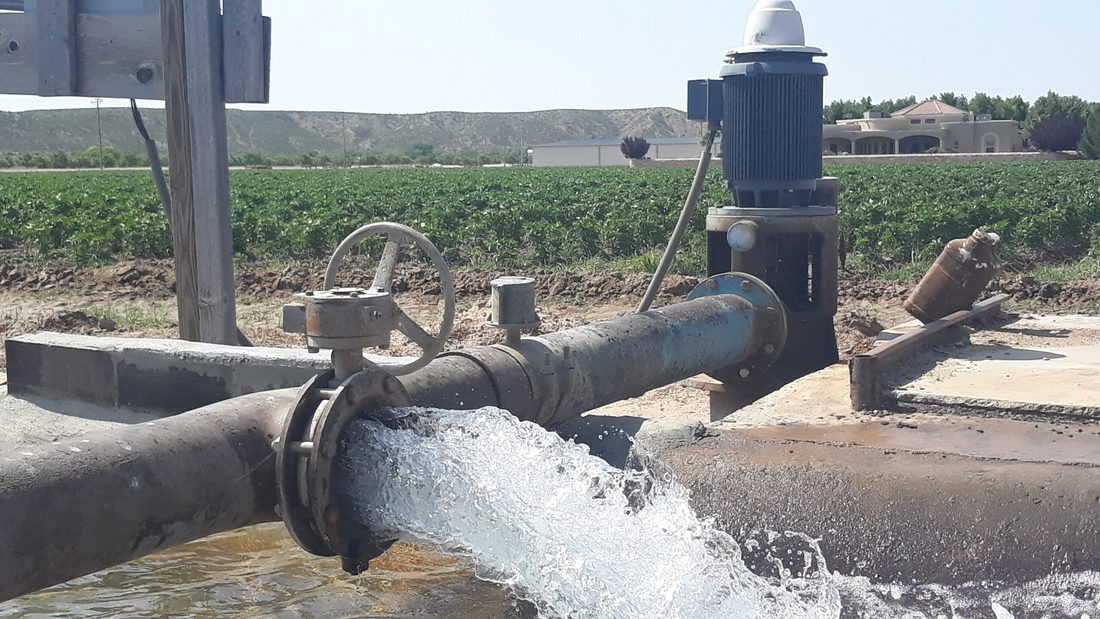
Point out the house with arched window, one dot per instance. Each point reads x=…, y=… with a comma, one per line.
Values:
x=929, y=126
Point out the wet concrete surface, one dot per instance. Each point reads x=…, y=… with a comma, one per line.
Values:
x=896, y=515
x=976, y=438
x=928, y=494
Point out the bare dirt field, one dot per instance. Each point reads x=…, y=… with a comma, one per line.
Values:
x=136, y=299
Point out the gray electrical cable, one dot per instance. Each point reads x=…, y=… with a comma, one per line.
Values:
x=154, y=161
x=686, y=215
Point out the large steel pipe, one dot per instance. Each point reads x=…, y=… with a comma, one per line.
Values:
x=70, y=509
x=554, y=378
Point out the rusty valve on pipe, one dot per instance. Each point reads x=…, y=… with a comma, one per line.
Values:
x=347, y=320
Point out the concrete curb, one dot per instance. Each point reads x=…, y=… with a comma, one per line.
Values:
x=168, y=376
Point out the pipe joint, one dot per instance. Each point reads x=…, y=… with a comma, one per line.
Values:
x=306, y=453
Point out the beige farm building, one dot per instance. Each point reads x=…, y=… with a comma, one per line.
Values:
x=922, y=127
x=591, y=153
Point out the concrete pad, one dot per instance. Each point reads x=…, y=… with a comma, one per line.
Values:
x=42, y=420
x=816, y=399
x=167, y=376
x=900, y=515
x=1033, y=364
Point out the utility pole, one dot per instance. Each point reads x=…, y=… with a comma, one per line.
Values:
x=99, y=128
x=196, y=55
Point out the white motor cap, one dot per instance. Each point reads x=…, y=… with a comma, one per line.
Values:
x=775, y=26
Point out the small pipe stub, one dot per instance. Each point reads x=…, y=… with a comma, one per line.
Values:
x=513, y=307
x=306, y=453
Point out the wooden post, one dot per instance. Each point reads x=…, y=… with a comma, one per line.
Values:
x=246, y=36
x=866, y=370
x=199, y=170
x=56, y=39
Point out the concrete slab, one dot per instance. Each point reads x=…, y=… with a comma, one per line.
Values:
x=927, y=497
x=166, y=376
x=1033, y=364
x=820, y=398
x=26, y=422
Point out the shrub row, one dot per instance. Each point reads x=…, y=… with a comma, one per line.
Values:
x=526, y=217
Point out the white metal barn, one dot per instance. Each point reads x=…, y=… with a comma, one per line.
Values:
x=592, y=153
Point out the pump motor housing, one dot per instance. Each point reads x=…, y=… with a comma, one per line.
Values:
x=771, y=142
x=782, y=226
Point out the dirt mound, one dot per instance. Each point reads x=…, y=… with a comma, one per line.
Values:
x=78, y=322
x=878, y=291
x=856, y=329
x=156, y=278
x=267, y=280
x=1064, y=295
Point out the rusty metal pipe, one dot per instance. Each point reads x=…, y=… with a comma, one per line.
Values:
x=74, y=508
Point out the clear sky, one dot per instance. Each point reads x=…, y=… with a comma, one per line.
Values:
x=514, y=55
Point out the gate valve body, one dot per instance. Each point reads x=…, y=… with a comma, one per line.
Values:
x=347, y=320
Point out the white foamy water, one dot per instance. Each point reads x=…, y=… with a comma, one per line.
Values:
x=562, y=528
x=579, y=538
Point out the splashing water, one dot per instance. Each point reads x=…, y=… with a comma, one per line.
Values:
x=560, y=527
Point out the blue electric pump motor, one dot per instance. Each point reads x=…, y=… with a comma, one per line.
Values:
x=783, y=227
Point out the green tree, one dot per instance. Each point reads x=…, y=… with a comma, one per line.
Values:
x=889, y=106
x=1013, y=108
x=845, y=109
x=423, y=153
x=59, y=159
x=1090, y=141
x=1054, y=104
x=982, y=103
x=954, y=100
x=1054, y=133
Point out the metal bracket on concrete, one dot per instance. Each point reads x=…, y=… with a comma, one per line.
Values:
x=867, y=370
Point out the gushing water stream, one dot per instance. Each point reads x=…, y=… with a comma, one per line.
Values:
x=543, y=518
x=560, y=527
x=577, y=537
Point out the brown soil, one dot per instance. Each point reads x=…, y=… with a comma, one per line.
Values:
x=1066, y=296
x=155, y=279
x=77, y=321
x=566, y=298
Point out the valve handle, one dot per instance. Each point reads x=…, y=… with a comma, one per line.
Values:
x=396, y=234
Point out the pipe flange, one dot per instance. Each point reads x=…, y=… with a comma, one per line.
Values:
x=769, y=329
x=306, y=456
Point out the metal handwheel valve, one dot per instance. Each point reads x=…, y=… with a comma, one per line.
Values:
x=347, y=320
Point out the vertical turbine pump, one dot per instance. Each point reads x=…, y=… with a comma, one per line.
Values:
x=783, y=226
x=773, y=107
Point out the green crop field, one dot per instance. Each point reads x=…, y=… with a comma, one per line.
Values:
x=891, y=214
